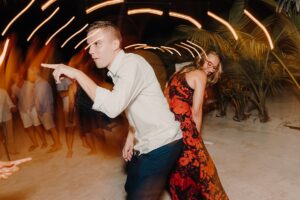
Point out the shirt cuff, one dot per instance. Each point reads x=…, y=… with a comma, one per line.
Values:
x=101, y=95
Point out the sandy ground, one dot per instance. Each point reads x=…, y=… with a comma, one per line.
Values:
x=254, y=160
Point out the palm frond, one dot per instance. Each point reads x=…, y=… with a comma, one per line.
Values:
x=207, y=39
x=287, y=70
x=270, y=3
x=236, y=12
x=267, y=22
x=288, y=6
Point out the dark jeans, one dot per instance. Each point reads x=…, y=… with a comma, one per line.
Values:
x=148, y=173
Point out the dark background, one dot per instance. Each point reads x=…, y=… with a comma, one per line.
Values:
x=145, y=28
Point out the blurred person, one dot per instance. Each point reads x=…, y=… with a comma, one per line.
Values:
x=43, y=102
x=22, y=96
x=154, y=142
x=89, y=120
x=67, y=90
x=6, y=109
x=195, y=175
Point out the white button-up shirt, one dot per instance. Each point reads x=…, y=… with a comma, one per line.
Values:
x=137, y=90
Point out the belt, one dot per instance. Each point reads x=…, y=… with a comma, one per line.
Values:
x=137, y=152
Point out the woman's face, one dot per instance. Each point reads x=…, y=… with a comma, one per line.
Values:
x=211, y=64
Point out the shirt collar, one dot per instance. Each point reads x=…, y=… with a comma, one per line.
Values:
x=115, y=65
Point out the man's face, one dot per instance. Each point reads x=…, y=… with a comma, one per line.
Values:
x=103, y=46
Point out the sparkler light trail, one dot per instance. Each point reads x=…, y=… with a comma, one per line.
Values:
x=45, y=21
x=261, y=26
x=64, y=26
x=145, y=10
x=47, y=4
x=72, y=36
x=185, y=17
x=103, y=4
x=4, y=51
x=186, y=49
x=17, y=16
x=224, y=23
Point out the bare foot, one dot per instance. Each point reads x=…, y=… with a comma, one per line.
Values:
x=32, y=147
x=54, y=148
x=44, y=145
x=69, y=154
x=92, y=152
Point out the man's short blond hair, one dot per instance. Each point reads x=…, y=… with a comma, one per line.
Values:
x=107, y=25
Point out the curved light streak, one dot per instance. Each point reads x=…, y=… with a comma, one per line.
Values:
x=172, y=49
x=4, y=51
x=145, y=10
x=261, y=26
x=186, y=49
x=189, y=46
x=150, y=47
x=72, y=36
x=185, y=17
x=79, y=43
x=17, y=16
x=47, y=4
x=163, y=47
x=45, y=21
x=203, y=51
x=222, y=21
x=134, y=45
x=141, y=46
x=103, y=4
x=64, y=26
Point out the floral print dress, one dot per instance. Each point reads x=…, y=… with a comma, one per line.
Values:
x=195, y=176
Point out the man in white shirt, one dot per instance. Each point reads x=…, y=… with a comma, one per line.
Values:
x=154, y=141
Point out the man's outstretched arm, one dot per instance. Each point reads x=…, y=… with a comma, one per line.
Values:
x=60, y=70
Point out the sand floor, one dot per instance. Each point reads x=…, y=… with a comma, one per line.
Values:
x=254, y=160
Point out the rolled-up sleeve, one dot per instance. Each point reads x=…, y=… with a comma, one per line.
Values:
x=101, y=94
x=128, y=85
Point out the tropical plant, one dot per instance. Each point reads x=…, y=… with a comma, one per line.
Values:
x=288, y=5
x=259, y=71
x=263, y=69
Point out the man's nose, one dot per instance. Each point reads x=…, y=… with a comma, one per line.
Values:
x=91, y=51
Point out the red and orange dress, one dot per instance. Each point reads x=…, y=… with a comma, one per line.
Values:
x=194, y=176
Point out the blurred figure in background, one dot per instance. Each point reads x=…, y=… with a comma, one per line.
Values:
x=43, y=101
x=22, y=96
x=6, y=108
x=67, y=90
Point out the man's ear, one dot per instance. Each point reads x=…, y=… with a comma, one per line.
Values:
x=116, y=44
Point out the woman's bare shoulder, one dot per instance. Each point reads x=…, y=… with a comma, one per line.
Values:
x=197, y=74
x=196, y=77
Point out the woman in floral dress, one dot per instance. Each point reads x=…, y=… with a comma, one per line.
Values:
x=195, y=175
